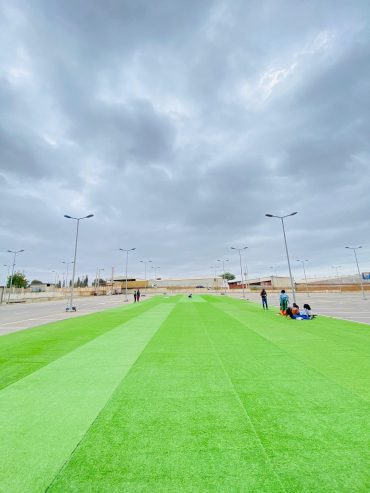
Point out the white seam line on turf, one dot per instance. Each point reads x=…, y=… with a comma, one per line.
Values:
x=244, y=409
x=66, y=462
x=297, y=358
x=119, y=335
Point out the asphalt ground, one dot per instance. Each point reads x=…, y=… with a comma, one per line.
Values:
x=19, y=316
x=338, y=305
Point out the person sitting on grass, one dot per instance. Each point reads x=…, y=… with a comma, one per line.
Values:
x=284, y=300
x=295, y=309
x=296, y=314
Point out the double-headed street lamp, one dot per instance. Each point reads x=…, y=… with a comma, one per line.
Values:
x=340, y=279
x=214, y=279
x=127, y=250
x=286, y=248
x=11, y=279
x=145, y=262
x=304, y=271
x=98, y=270
x=67, y=266
x=358, y=269
x=6, y=281
x=155, y=275
x=223, y=270
x=56, y=279
x=239, y=250
x=77, y=219
x=7, y=274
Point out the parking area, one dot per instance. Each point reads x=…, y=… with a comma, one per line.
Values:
x=20, y=316
x=339, y=305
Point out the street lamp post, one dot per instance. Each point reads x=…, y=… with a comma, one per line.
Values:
x=98, y=283
x=155, y=276
x=67, y=265
x=11, y=279
x=77, y=219
x=145, y=262
x=340, y=279
x=7, y=274
x=239, y=250
x=127, y=250
x=214, y=279
x=6, y=282
x=223, y=270
x=304, y=271
x=358, y=269
x=286, y=248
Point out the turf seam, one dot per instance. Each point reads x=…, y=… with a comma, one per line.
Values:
x=296, y=358
x=68, y=459
x=234, y=391
x=88, y=341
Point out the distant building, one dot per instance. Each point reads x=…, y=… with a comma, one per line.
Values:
x=273, y=282
x=171, y=283
x=190, y=282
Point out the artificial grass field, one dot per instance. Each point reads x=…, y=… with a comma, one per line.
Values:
x=174, y=395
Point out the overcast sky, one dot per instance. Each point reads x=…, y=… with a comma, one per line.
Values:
x=179, y=124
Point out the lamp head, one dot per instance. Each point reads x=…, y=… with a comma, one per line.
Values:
x=68, y=217
x=90, y=215
x=269, y=215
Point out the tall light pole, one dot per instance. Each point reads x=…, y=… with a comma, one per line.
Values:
x=337, y=267
x=214, y=279
x=239, y=250
x=67, y=265
x=77, y=219
x=286, y=248
x=223, y=270
x=7, y=274
x=304, y=272
x=155, y=276
x=99, y=270
x=127, y=250
x=358, y=269
x=11, y=279
x=145, y=262
x=55, y=277
x=6, y=282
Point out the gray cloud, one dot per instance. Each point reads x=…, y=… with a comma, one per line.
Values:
x=180, y=124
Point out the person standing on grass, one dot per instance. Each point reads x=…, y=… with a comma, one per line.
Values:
x=138, y=294
x=135, y=296
x=284, y=300
x=264, y=299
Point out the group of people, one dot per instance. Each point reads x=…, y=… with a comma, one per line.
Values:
x=137, y=295
x=293, y=311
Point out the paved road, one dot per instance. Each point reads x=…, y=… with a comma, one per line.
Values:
x=345, y=306
x=20, y=316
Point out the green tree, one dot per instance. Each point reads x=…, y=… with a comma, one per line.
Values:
x=35, y=281
x=86, y=281
x=228, y=276
x=19, y=280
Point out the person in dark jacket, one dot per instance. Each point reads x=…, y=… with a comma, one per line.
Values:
x=135, y=296
x=263, y=295
x=138, y=294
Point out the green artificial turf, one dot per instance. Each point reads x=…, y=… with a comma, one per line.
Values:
x=209, y=394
